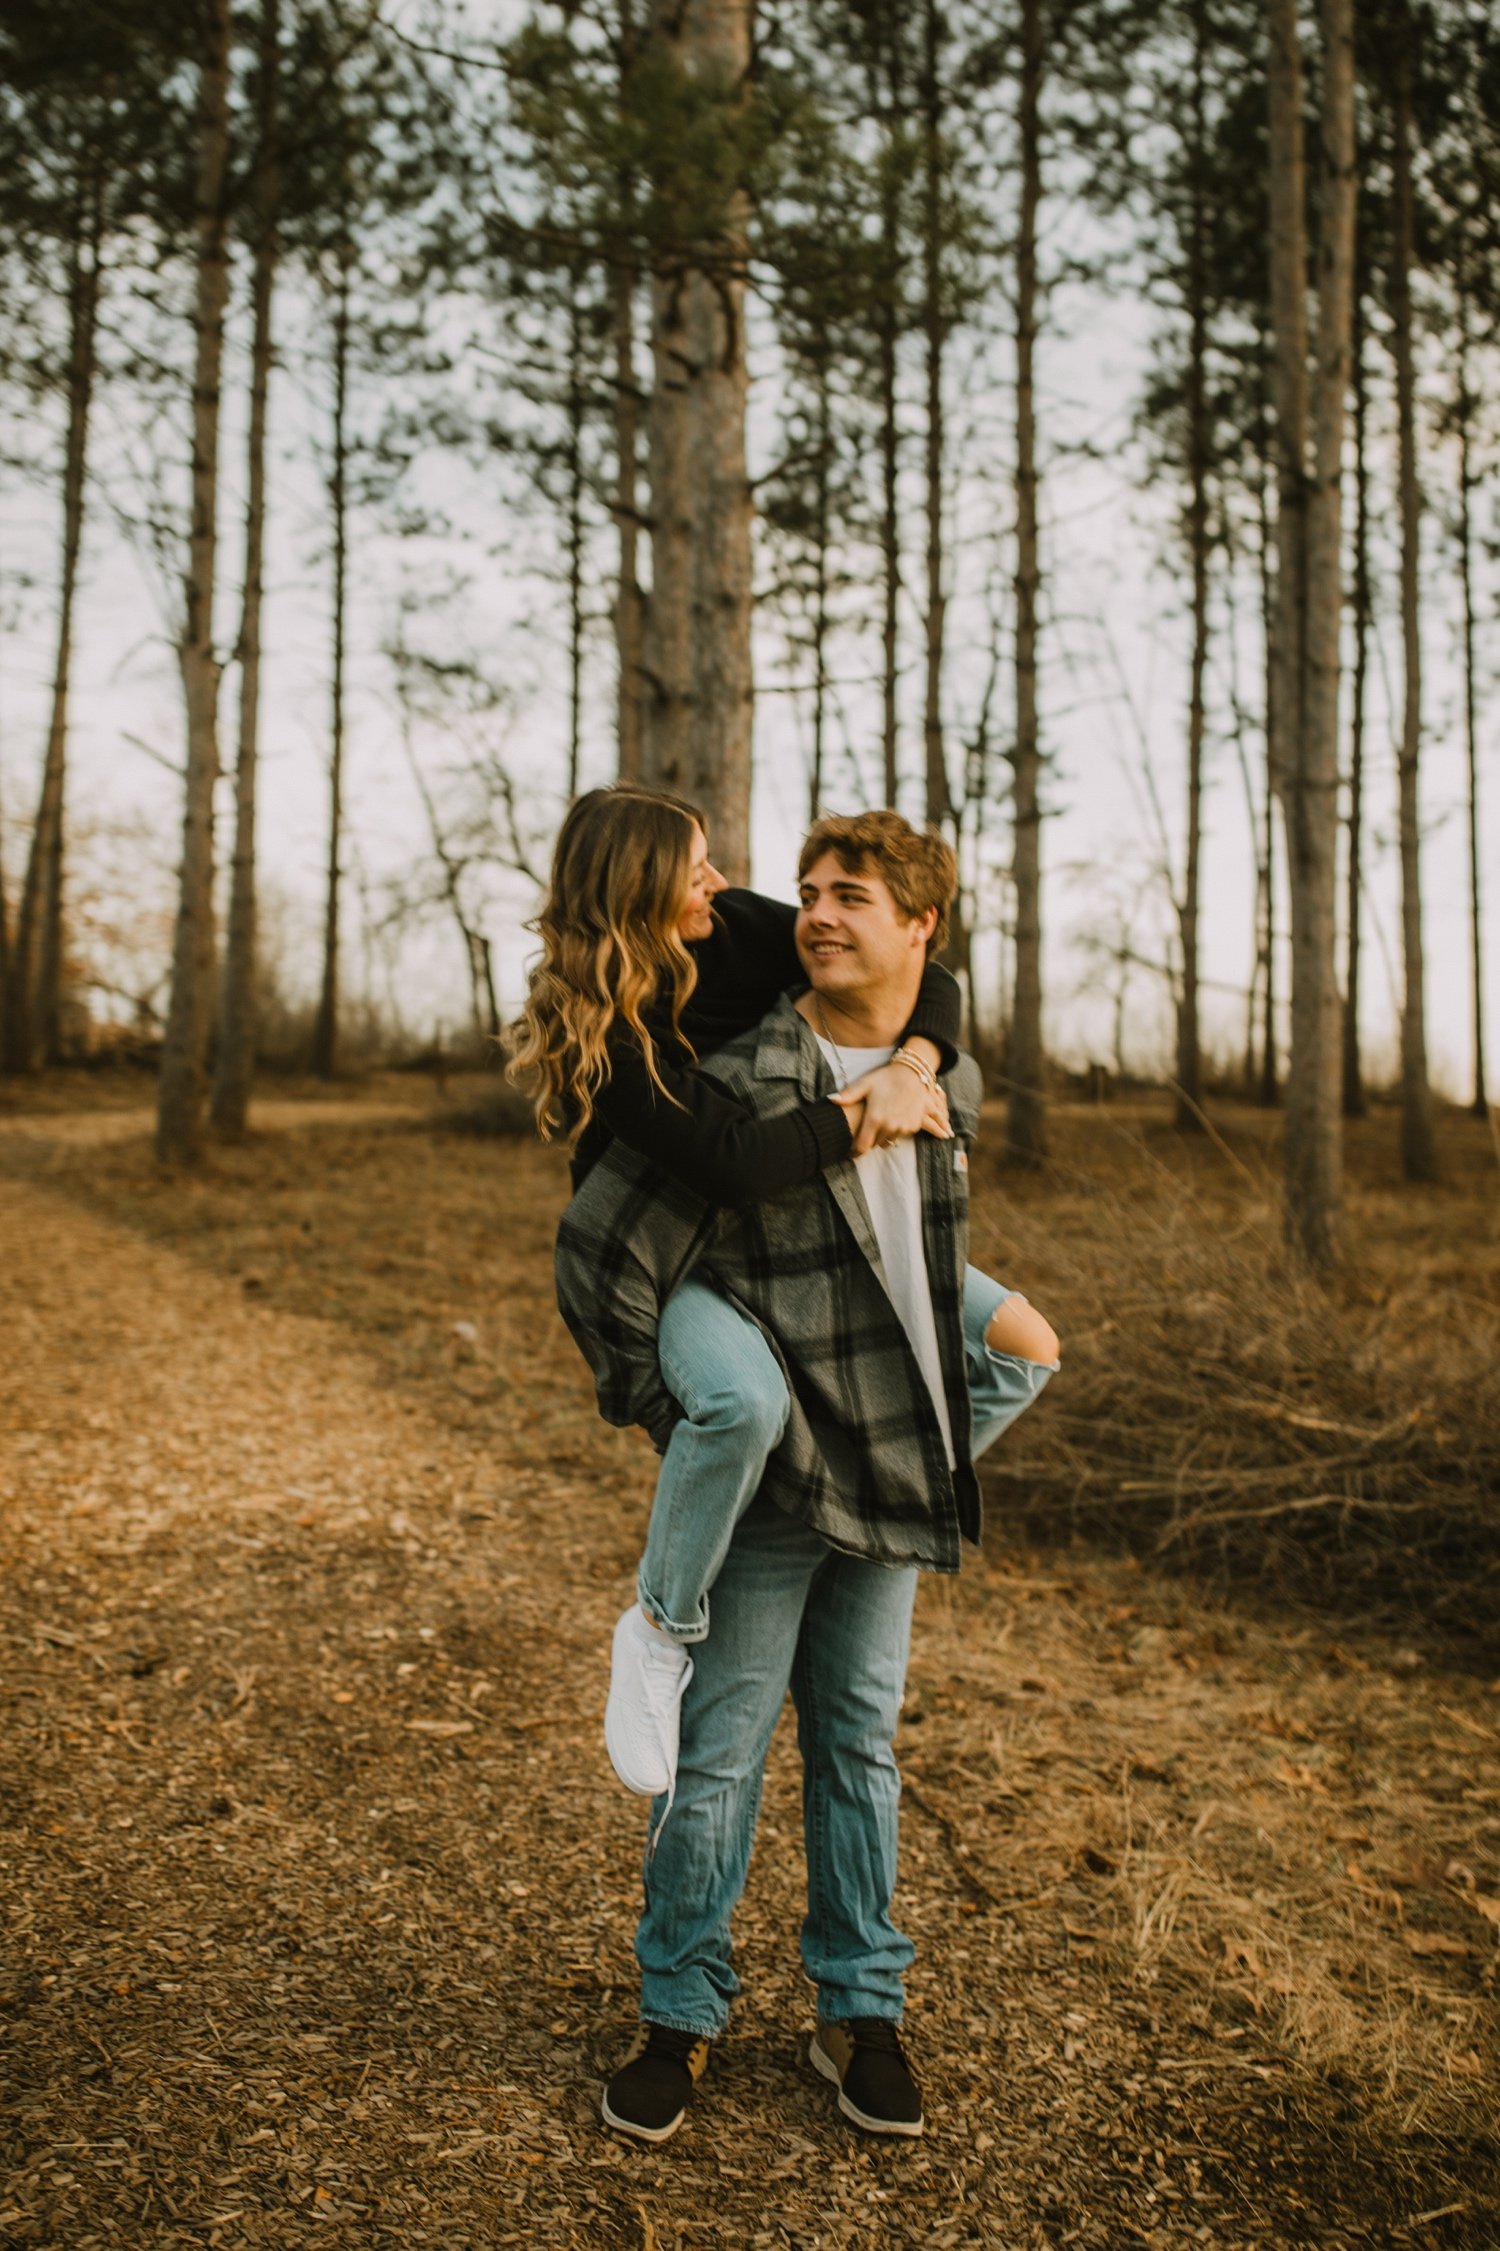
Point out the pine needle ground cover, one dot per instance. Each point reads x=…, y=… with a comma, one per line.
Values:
x=318, y=1892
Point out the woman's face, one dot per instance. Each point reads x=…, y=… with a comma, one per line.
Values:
x=704, y=883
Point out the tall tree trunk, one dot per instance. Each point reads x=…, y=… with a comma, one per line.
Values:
x=576, y=530
x=179, y=1113
x=888, y=96
x=326, y=1023
x=234, y=1067
x=1354, y=1081
x=629, y=601
x=1309, y=595
x=821, y=515
x=935, y=332
x=1026, y=1117
x=33, y=991
x=1315, y=1148
x=698, y=625
x=629, y=607
x=1189, y=1098
x=1302, y=749
x=1466, y=404
x=1418, y=1147
x=1268, y=1092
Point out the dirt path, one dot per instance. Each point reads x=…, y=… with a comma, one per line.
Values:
x=318, y=1892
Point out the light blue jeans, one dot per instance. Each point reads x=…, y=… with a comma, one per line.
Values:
x=725, y=1377
x=791, y=1612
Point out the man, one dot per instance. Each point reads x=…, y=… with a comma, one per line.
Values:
x=858, y=1280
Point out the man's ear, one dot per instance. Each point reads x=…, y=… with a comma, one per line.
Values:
x=923, y=925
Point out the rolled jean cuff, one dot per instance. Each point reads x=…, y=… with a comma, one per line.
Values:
x=695, y=1630
x=670, y=2023
x=1040, y=1369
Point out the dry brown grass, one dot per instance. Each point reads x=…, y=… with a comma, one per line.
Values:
x=1342, y=1443
x=318, y=1891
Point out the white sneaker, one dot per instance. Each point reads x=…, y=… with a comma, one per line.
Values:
x=648, y=1673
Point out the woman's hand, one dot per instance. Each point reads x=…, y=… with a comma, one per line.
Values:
x=896, y=1105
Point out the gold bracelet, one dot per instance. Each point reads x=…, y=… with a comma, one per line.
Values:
x=915, y=1063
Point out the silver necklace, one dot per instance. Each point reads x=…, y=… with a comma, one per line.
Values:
x=841, y=1065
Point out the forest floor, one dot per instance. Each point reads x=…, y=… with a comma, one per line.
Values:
x=317, y=1889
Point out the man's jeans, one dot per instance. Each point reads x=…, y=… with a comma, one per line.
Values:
x=789, y=1611
x=720, y=1369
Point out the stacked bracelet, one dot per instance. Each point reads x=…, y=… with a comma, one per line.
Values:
x=915, y=1063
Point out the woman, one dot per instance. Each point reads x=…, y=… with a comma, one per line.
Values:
x=650, y=961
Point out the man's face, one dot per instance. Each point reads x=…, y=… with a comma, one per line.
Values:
x=852, y=938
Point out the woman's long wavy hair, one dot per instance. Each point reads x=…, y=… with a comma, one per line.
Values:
x=610, y=948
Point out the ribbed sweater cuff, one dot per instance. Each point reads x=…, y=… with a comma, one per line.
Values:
x=921, y=1027
x=829, y=1127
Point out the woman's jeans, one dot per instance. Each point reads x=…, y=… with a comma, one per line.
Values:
x=788, y=1611
x=726, y=1378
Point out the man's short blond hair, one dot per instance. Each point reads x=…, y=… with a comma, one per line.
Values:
x=917, y=865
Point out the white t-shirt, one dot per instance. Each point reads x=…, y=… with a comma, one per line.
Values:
x=893, y=1193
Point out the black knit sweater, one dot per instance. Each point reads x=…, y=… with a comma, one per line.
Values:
x=711, y=1143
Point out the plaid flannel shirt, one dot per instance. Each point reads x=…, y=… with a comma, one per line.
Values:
x=863, y=1459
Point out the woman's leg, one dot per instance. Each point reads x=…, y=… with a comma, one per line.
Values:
x=1012, y=1351
x=729, y=1383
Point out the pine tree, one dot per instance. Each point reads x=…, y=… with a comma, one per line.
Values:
x=182, y=1085
x=86, y=120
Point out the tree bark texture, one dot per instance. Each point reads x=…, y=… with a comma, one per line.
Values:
x=821, y=518
x=1418, y=1146
x=1354, y=1081
x=326, y=1022
x=698, y=625
x=1268, y=1091
x=577, y=401
x=181, y=1088
x=629, y=605
x=33, y=990
x=887, y=100
x=629, y=618
x=1465, y=417
x=234, y=1063
x=1026, y=1111
x=935, y=331
x=1189, y=1095
x=1309, y=596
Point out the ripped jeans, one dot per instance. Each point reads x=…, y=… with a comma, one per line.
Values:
x=725, y=1376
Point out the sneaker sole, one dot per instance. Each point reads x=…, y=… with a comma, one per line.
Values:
x=641, y=2133
x=643, y=1787
x=830, y=2070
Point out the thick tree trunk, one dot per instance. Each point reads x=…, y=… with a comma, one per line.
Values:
x=1418, y=1147
x=1354, y=1081
x=1465, y=417
x=1189, y=1096
x=234, y=1066
x=1309, y=598
x=179, y=1115
x=935, y=336
x=326, y=1023
x=33, y=991
x=698, y=627
x=1026, y=1115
